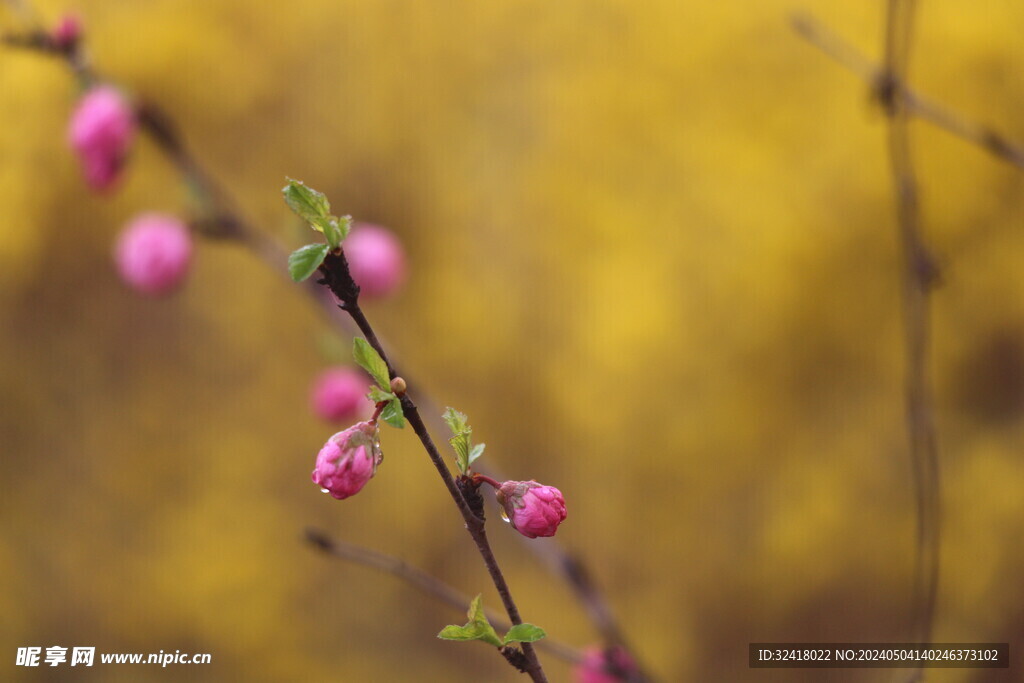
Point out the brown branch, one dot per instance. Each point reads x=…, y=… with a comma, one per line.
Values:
x=570, y=568
x=229, y=224
x=919, y=271
x=919, y=275
x=338, y=279
x=226, y=221
x=981, y=135
x=601, y=616
x=425, y=583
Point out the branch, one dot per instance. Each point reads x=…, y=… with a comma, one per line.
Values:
x=425, y=583
x=981, y=135
x=224, y=220
x=919, y=276
x=338, y=279
x=600, y=614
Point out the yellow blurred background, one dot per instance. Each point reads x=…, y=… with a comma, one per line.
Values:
x=653, y=256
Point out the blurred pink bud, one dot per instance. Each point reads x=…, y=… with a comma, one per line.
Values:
x=67, y=32
x=596, y=666
x=531, y=508
x=153, y=253
x=339, y=395
x=101, y=132
x=375, y=259
x=348, y=460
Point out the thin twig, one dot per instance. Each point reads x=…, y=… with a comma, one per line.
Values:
x=338, y=279
x=231, y=226
x=226, y=221
x=479, y=535
x=981, y=135
x=919, y=275
x=425, y=583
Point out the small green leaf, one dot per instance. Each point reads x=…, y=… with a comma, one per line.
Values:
x=475, y=452
x=304, y=261
x=476, y=609
x=310, y=205
x=370, y=360
x=453, y=632
x=333, y=233
x=462, y=434
x=524, y=633
x=477, y=628
x=344, y=225
x=378, y=395
x=482, y=632
x=457, y=422
x=392, y=413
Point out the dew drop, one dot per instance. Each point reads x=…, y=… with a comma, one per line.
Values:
x=504, y=516
x=324, y=491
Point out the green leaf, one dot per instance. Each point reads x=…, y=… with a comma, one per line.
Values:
x=475, y=452
x=392, y=413
x=476, y=612
x=336, y=229
x=310, y=205
x=457, y=422
x=333, y=233
x=344, y=225
x=378, y=395
x=370, y=360
x=453, y=632
x=471, y=632
x=462, y=435
x=477, y=628
x=524, y=633
x=304, y=261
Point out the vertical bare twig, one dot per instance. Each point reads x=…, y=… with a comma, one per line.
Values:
x=919, y=275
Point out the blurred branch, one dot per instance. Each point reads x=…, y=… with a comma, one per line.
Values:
x=979, y=134
x=224, y=220
x=600, y=614
x=919, y=272
x=919, y=276
x=425, y=583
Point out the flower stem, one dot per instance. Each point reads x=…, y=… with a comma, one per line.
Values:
x=484, y=478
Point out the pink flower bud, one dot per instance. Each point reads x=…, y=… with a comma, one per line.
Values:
x=67, y=32
x=375, y=259
x=153, y=253
x=531, y=508
x=596, y=666
x=101, y=133
x=339, y=395
x=348, y=460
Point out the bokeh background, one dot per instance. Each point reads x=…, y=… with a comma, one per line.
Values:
x=653, y=256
